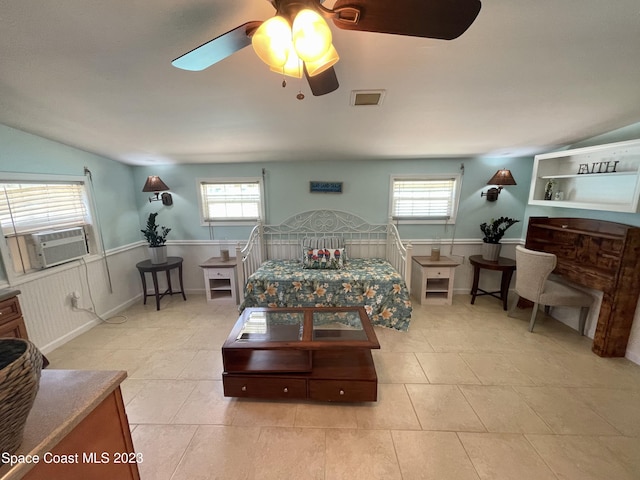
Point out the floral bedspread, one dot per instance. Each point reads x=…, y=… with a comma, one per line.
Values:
x=369, y=282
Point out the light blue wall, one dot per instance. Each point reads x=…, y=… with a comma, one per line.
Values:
x=123, y=207
x=113, y=182
x=365, y=192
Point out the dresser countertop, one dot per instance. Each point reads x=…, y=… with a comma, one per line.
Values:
x=64, y=399
x=8, y=293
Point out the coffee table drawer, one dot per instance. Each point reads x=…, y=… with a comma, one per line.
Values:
x=343, y=390
x=269, y=387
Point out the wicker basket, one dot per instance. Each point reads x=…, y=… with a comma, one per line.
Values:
x=20, y=368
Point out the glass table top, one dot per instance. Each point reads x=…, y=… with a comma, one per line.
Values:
x=338, y=326
x=302, y=328
x=262, y=325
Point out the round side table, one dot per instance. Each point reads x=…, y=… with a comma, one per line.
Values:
x=153, y=268
x=505, y=265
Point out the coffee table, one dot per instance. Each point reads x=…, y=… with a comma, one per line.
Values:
x=317, y=353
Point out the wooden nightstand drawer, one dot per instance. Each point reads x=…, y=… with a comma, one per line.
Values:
x=219, y=272
x=10, y=310
x=343, y=390
x=264, y=387
x=437, y=272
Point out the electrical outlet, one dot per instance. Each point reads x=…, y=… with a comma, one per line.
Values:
x=75, y=299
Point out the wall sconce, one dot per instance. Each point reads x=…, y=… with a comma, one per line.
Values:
x=501, y=178
x=155, y=185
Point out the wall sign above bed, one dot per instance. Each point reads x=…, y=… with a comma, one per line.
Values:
x=325, y=187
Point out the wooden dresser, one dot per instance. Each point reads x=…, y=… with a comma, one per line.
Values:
x=76, y=430
x=601, y=255
x=11, y=321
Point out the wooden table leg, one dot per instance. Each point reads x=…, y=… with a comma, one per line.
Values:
x=155, y=288
x=504, y=287
x=144, y=287
x=184, y=297
x=170, y=290
x=476, y=279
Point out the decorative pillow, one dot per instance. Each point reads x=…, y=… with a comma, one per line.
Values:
x=323, y=242
x=323, y=258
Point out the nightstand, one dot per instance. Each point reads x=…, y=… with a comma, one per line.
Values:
x=220, y=279
x=432, y=280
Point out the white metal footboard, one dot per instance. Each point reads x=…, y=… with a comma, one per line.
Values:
x=397, y=254
x=249, y=257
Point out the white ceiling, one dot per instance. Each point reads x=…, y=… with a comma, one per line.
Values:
x=527, y=76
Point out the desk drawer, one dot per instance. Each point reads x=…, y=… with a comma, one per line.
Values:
x=343, y=390
x=9, y=310
x=264, y=387
x=219, y=272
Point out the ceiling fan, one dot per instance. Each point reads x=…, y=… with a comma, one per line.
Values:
x=297, y=41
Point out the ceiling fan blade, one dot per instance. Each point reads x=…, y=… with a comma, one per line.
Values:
x=323, y=83
x=217, y=49
x=442, y=19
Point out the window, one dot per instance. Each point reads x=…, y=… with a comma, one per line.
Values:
x=29, y=205
x=230, y=200
x=425, y=199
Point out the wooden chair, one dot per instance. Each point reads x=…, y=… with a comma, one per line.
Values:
x=533, y=283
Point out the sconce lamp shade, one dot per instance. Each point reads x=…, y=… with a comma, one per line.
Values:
x=501, y=178
x=156, y=185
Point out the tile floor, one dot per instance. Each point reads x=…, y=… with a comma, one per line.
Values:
x=467, y=393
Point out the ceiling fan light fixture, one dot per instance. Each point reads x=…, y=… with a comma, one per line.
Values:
x=311, y=35
x=293, y=67
x=272, y=42
x=327, y=61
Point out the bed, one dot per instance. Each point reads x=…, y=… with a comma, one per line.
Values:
x=375, y=269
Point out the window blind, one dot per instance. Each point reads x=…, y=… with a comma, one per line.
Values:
x=31, y=207
x=423, y=199
x=230, y=201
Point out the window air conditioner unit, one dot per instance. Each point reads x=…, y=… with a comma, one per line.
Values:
x=54, y=247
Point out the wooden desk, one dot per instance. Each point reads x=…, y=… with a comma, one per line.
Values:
x=505, y=265
x=600, y=255
x=154, y=268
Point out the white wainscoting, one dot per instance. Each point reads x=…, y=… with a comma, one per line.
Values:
x=51, y=321
x=45, y=299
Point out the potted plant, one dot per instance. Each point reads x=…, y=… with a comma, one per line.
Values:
x=156, y=239
x=493, y=233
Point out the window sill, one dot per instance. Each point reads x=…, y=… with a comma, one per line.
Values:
x=16, y=280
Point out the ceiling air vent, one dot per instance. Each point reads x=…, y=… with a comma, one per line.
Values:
x=360, y=98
